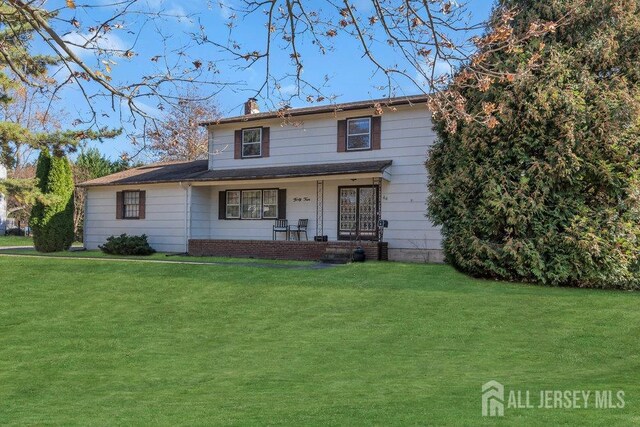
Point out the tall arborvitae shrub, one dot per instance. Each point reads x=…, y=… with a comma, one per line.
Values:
x=552, y=193
x=52, y=217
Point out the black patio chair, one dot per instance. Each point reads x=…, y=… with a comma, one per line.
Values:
x=281, y=226
x=300, y=228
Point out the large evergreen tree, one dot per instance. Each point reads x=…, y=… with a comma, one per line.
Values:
x=548, y=188
x=52, y=216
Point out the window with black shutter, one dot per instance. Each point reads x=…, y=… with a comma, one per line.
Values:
x=267, y=203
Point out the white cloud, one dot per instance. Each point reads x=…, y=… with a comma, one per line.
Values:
x=290, y=89
x=180, y=14
x=154, y=4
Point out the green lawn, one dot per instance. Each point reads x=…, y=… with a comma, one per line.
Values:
x=109, y=342
x=159, y=256
x=15, y=241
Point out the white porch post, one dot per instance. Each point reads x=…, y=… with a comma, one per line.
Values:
x=319, y=208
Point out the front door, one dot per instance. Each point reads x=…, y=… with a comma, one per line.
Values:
x=358, y=213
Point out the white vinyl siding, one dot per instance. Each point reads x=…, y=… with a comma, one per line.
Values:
x=164, y=222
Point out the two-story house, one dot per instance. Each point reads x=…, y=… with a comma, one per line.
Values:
x=354, y=171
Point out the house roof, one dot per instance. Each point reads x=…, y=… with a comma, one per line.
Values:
x=197, y=171
x=331, y=108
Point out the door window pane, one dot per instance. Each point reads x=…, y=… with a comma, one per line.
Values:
x=348, y=209
x=367, y=210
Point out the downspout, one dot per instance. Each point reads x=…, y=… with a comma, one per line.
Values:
x=84, y=218
x=187, y=216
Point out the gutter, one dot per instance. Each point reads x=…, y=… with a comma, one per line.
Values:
x=334, y=108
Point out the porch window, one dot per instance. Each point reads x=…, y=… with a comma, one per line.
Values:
x=359, y=134
x=233, y=204
x=270, y=204
x=252, y=204
x=252, y=142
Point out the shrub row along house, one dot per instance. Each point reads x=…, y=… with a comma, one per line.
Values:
x=356, y=176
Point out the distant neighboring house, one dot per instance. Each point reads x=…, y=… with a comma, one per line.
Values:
x=3, y=204
x=345, y=168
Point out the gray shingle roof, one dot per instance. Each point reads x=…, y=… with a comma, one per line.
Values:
x=319, y=109
x=197, y=171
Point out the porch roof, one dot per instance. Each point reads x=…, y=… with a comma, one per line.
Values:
x=197, y=171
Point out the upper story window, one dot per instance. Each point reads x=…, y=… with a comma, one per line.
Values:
x=359, y=134
x=252, y=142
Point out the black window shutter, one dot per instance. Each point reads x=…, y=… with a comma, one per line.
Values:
x=119, y=205
x=282, y=203
x=142, y=208
x=342, y=136
x=237, y=144
x=222, y=205
x=375, y=132
x=265, y=142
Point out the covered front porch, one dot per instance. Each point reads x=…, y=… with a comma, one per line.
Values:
x=341, y=207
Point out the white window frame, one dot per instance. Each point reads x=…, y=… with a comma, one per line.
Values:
x=275, y=190
x=227, y=204
x=258, y=206
x=358, y=134
x=261, y=209
x=125, y=204
x=259, y=142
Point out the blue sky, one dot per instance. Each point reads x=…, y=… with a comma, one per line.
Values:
x=351, y=76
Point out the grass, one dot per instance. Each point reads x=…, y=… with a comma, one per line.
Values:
x=86, y=342
x=153, y=257
x=15, y=241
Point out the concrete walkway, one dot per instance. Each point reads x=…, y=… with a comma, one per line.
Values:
x=316, y=266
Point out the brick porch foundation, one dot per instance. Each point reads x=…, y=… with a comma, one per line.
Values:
x=281, y=249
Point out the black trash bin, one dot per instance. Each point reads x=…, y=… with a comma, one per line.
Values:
x=358, y=255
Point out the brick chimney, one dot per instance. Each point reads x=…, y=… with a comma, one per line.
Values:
x=251, y=106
